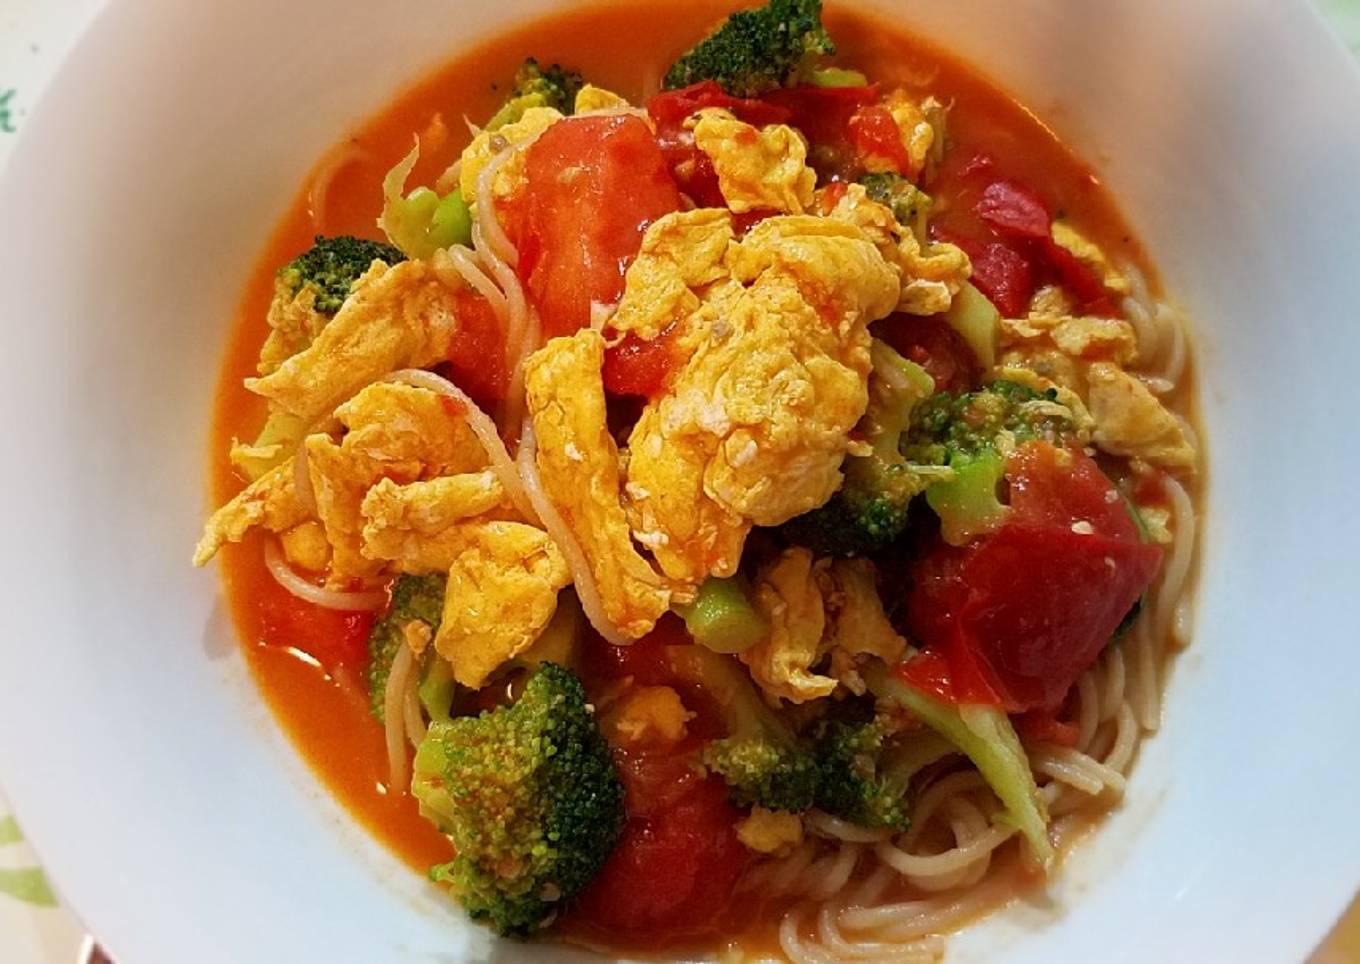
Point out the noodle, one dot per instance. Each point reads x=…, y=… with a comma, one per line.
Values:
x=499, y=242
x=582, y=577
x=394, y=718
x=362, y=601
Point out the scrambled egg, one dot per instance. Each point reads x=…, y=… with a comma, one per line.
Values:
x=396, y=432
x=1090, y=254
x=918, y=134
x=397, y=317
x=759, y=169
x=1086, y=358
x=680, y=262
x=772, y=375
x=578, y=464
x=774, y=832
x=294, y=324
x=590, y=98
x=414, y=526
x=502, y=592
x=787, y=595
x=646, y=716
x=929, y=274
x=305, y=546
x=270, y=501
x=487, y=144
x=1131, y=421
x=857, y=625
x=818, y=609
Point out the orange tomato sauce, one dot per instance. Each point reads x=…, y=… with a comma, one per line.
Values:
x=625, y=49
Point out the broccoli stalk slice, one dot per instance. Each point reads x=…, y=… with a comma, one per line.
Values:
x=967, y=503
x=985, y=735
x=721, y=617
x=529, y=797
x=415, y=599
x=537, y=86
x=754, y=51
x=761, y=759
x=978, y=322
x=421, y=222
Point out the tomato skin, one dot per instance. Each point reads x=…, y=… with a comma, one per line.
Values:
x=931, y=343
x=1020, y=614
x=674, y=868
x=332, y=637
x=1014, y=211
x=476, y=357
x=635, y=367
x=594, y=185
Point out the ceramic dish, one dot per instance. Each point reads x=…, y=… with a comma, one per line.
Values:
x=177, y=819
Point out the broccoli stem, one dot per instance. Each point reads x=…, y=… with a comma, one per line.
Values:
x=722, y=619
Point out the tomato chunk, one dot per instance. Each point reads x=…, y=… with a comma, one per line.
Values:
x=637, y=367
x=875, y=134
x=331, y=637
x=675, y=866
x=594, y=185
x=1020, y=614
x=823, y=115
x=936, y=347
x=477, y=350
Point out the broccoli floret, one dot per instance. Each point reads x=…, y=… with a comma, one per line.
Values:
x=761, y=759
x=908, y=203
x=971, y=434
x=853, y=784
x=414, y=599
x=537, y=86
x=997, y=417
x=332, y=265
x=754, y=51
x=870, y=509
x=529, y=797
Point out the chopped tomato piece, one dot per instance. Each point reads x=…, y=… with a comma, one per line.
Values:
x=1020, y=614
x=331, y=637
x=823, y=116
x=674, y=868
x=644, y=659
x=691, y=167
x=936, y=347
x=875, y=134
x=1014, y=211
x=1040, y=726
x=637, y=367
x=477, y=350
x=594, y=185
x=1003, y=274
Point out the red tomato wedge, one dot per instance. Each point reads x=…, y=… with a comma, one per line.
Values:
x=637, y=367
x=875, y=134
x=594, y=185
x=678, y=860
x=477, y=350
x=1020, y=614
x=931, y=343
x=331, y=637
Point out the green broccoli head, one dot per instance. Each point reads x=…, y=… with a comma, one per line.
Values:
x=870, y=509
x=971, y=434
x=537, y=86
x=908, y=203
x=418, y=599
x=529, y=797
x=765, y=770
x=997, y=417
x=332, y=265
x=852, y=784
x=754, y=51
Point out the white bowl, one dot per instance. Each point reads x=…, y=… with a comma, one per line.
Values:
x=179, y=822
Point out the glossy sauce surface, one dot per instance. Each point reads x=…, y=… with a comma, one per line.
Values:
x=625, y=49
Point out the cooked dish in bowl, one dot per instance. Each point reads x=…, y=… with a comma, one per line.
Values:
x=740, y=495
